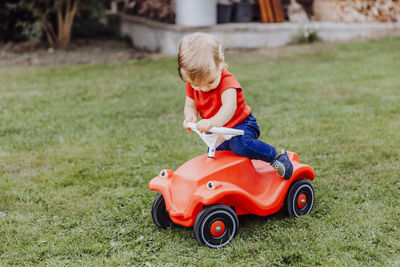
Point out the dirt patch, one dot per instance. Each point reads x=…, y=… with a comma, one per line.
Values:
x=80, y=52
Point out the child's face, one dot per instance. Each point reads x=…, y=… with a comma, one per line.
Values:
x=209, y=83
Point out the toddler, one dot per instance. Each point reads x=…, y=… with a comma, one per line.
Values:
x=214, y=93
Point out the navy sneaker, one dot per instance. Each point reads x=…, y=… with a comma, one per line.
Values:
x=282, y=164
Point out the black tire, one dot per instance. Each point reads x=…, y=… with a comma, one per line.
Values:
x=160, y=214
x=300, y=198
x=215, y=226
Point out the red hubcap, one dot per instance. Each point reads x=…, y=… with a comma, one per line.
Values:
x=217, y=228
x=302, y=201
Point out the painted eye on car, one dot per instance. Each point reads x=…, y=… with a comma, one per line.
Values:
x=163, y=174
x=210, y=185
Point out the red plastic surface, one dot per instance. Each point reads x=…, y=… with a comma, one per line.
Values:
x=250, y=186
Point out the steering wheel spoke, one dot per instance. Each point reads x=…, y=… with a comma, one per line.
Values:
x=215, y=136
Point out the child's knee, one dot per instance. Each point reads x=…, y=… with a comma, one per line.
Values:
x=239, y=146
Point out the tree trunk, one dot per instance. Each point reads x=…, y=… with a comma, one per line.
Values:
x=65, y=21
x=46, y=25
x=50, y=34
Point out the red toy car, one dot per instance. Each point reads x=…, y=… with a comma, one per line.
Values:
x=209, y=191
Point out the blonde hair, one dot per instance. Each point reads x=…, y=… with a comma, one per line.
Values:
x=196, y=52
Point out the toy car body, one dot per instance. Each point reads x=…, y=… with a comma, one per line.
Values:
x=209, y=192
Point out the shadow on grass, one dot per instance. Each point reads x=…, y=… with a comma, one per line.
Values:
x=245, y=221
x=251, y=219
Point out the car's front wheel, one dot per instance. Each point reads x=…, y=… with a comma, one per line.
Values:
x=215, y=226
x=159, y=213
x=300, y=198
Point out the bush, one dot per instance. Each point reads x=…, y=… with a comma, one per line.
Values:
x=307, y=35
x=17, y=23
x=88, y=22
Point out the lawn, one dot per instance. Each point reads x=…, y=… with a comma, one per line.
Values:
x=79, y=144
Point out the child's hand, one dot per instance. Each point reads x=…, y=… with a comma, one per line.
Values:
x=189, y=119
x=204, y=125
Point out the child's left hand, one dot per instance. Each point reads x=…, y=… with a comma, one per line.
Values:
x=204, y=125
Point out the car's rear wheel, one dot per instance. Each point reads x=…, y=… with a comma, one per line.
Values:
x=159, y=213
x=215, y=226
x=300, y=199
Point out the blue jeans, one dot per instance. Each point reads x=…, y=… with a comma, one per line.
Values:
x=247, y=145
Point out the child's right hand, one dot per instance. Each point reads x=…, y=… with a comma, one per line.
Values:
x=189, y=119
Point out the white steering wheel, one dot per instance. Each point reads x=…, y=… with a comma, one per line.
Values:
x=215, y=136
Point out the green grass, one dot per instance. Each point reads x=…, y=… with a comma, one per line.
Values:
x=79, y=145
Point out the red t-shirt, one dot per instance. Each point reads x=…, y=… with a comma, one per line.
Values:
x=209, y=103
